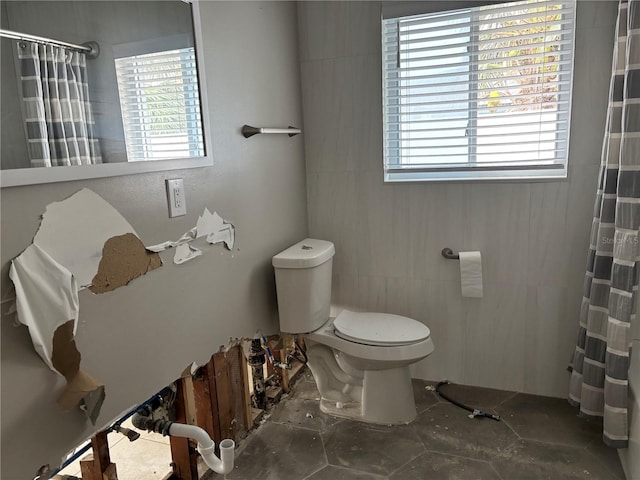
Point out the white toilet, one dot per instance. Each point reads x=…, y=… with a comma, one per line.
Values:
x=360, y=361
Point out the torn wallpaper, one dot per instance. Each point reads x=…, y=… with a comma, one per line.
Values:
x=82, y=242
x=211, y=226
x=75, y=230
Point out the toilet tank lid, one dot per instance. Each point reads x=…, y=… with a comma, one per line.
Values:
x=305, y=254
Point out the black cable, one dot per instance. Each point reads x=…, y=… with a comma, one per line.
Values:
x=299, y=354
x=474, y=411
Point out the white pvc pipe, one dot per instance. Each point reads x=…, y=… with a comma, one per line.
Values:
x=206, y=446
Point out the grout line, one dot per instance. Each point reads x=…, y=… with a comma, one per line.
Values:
x=510, y=427
x=492, y=466
x=513, y=394
x=553, y=444
x=411, y=460
x=449, y=454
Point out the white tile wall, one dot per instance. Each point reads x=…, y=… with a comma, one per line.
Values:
x=533, y=236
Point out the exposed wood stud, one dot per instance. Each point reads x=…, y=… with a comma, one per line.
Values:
x=184, y=456
x=246, y=394
x=224, y=393
x=97, y=465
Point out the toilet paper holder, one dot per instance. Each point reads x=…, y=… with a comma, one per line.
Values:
x=448, y=253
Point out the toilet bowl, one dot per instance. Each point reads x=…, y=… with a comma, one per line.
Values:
x=360, y=361
x=367, y=378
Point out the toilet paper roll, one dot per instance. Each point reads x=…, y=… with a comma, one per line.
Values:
x=471, y=274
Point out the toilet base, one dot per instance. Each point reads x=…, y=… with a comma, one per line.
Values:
x=387, y=399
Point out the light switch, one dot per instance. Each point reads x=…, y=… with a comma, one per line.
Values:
x=176, y=198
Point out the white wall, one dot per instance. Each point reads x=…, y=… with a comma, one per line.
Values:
x=140, y=337
x=533, y=236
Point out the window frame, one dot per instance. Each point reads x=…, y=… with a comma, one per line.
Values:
x=472, y=170
x=140, y=145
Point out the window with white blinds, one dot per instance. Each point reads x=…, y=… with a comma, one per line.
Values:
x=479, y=93
x=160, y=105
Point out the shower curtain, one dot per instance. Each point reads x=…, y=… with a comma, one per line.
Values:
x=58, y=117
x=600, y=365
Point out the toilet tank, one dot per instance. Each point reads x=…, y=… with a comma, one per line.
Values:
x=303, y=283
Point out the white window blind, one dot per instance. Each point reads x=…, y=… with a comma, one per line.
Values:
x=479, y=93
x=160, y=105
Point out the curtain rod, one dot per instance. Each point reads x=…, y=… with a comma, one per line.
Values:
x=90, y=48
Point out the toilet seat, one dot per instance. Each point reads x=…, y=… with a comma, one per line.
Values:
x=379, y=329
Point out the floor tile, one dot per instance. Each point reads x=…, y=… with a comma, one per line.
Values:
x=436, y=466
x=370, y=448
x=279, y=452
x=424, y=393
x=529, y=460
x=331, y=472
x=608, y=456
x=448, y=429
x=305, y=387
x=301, y=412
x=547, y=419
x=540, y=438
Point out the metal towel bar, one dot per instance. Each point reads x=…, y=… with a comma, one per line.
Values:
x=249, y=131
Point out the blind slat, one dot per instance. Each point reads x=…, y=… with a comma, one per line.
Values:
x=485, y=27
x=501, y=7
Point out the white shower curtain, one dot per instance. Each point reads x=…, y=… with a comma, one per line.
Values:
x=58, y=116
x=600, y=366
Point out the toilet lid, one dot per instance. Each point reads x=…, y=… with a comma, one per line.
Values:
x=381, y=329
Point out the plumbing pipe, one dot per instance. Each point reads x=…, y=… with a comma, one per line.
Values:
x=475, y=412
x=87, y=446
x=274, y=362
x=206, y=446
x=256, y=361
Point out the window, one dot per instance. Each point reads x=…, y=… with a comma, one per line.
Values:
x=479, y=93
x=160, y=105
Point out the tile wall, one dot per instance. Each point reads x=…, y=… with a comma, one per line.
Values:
x=533, y=236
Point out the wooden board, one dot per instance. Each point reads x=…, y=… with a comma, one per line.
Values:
x=184, y=456
x=97, y=465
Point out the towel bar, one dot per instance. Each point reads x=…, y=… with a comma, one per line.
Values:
x=249, y=131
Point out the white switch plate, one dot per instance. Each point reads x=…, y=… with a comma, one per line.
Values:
x=176, y=198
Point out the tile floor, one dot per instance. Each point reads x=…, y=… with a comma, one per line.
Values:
x=538, y=438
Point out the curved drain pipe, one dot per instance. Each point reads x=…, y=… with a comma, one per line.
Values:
x=206, y=446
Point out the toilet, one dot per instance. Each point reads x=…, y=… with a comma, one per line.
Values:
x=360, y=361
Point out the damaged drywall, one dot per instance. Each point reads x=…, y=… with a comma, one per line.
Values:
x=74, y=231
x=82, y=242
x=124, y=258
x=81, y=387
x=215, y=229
x=209, y=225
